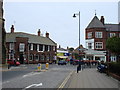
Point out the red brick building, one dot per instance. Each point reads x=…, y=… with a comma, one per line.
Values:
x=29, y=48
x=97, y=32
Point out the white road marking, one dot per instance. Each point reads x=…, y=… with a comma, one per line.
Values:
x=31, y=74
x=35, y=85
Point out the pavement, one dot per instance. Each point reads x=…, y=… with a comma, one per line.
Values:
x=91, y=78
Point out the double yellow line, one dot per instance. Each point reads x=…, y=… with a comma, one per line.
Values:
x=65, y=81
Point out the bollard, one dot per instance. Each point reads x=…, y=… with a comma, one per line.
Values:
x=39, y=67
x=47, y=66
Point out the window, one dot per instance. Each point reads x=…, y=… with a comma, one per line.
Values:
x=31, y=57
x=46, y=47
x=53, y=48
x=47, y=57
x=42, y=58
x=37, y=57
x=35, y=47
x=43, y=47
x=99, y=45
x=11, y=46
x=98, y=34
x=89, y=45
x=21, y=47
x=38, y=48
x=90, y=35
x=31, y=48
x=112, y=34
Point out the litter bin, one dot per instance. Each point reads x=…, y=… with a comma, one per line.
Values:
x=47, y=66
x=39, y=67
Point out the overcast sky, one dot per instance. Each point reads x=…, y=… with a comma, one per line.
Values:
x=56, y=18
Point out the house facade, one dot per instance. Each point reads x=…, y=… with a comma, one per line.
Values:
x=29, y=48
x=97, y=32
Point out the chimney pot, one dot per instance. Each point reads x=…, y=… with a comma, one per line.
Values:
x=39, y=32
x=12, y=29
x=102, y=20
x=47, y=34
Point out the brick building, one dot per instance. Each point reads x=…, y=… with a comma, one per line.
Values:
x=2, y=36
x=97, y=32
x=29, y=48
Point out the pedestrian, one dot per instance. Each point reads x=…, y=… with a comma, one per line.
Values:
x=9, y=66
x=78, y=68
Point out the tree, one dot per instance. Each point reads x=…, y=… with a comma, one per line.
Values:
x=113, y=45
x=71, y=49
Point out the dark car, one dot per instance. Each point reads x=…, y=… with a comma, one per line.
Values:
x=13, y=62
x=62, y=62
x=102, y=68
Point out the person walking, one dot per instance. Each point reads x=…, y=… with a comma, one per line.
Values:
x=78, y=67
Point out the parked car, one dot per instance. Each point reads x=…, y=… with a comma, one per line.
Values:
x=102, y=68
x=13, y=62
x=62, y=62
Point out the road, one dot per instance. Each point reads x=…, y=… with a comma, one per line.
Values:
x=57, y=76
x=29, y=78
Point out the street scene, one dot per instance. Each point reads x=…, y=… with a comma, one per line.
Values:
x=59, y=45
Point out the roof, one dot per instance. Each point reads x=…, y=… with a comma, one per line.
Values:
x=62, y=49
x=112, y=27
x=11, y=37
x=95, y=23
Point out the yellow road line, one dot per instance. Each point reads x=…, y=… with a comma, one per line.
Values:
x=65, y=81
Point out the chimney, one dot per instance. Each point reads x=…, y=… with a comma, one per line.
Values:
x=59, y=46
x=39, y=32
x=12, y=29
x=47, y=34
x=102, y=20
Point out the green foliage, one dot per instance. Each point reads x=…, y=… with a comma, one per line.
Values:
x=113, y=44
x=71, y=49
x=114, y=67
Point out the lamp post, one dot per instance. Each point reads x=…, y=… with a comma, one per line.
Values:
x=74, y=16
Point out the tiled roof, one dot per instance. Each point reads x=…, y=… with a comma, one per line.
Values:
x=11, y=37
x=112, y=27
x=95, y=23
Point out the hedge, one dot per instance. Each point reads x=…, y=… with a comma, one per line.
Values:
x=114, y=67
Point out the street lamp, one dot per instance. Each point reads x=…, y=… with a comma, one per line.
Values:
x=74, y=16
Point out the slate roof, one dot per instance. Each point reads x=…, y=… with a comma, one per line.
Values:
x=11, y=37
x=95, y=23
x=112, y=27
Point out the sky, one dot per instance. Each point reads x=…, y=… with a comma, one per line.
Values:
x=56, y=18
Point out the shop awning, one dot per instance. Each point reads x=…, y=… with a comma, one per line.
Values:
x=62, y=56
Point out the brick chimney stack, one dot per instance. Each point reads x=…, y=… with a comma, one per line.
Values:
x=39, y=32
x=12, y=29
x=47, y=34
x=102, y=20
